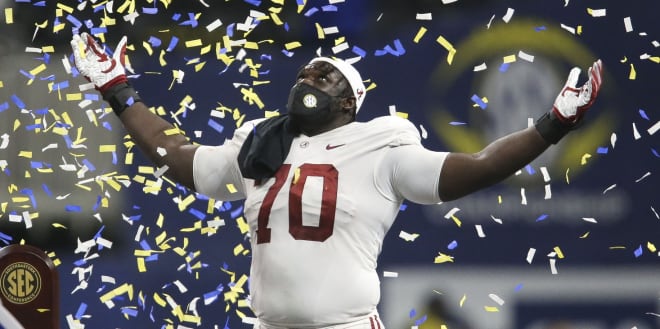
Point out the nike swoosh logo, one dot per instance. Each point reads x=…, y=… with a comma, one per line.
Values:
x=332, y=147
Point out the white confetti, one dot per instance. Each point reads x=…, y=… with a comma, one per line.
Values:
x=546, y=175
x=425, y=134
x=249, y=320
x=553, y=266
x=522, y=196
x=331, y=30
x=480, y=67
x=548, y=192
x=590, y=220
x=392, y=109
x=444, y=2
x=424, y=17
x=613, y=139
x=496, y=220
x=525, y=56
x=490, y=21
x=645, y=175
x=181, y=287
x=654, y=128
x=452, y=212
x=388, y=274
x=568, y=28
x=408, y=236
x=530, y=255
x=598, y=12
x=496, y=299
x=636, y=134
x=480, y=231
x=214, y=25
x=509, y=13
x=628, y=24
x=609, y=188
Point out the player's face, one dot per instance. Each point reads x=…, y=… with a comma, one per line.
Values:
x=323, y=76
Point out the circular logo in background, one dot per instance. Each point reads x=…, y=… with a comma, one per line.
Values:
x=309, y=100
x=20, y=283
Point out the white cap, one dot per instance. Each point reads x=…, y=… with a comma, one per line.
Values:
x=351, y=74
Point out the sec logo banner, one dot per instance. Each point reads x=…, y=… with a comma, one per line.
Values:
x=20, y=283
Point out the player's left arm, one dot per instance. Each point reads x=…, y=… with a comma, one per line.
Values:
x=464, y=173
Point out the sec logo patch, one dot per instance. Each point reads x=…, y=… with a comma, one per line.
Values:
x=20, y=283
x=310, y=101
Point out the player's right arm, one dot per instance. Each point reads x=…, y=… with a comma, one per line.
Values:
x=150, y=132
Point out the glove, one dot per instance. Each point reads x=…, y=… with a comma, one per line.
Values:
x=95, y=65
x=570, y=105
x=106, y=73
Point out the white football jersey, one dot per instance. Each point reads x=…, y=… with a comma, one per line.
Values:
x=317, y=227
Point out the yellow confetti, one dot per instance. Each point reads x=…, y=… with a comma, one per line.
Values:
x=58, y=225
x=584, y=159
x=292, y=45
x=509, y=59
x=567, y=170
x=107, y=148
x=456, y=220
x=624, y=59
x=633, y=73
x=242, y=225
x=193, y=43
x=319, y=31
x=651, y=246
x=25, y=154
x=450, y=48
x=9, y=15
x=231, y=188
x=491, y=309
x=584, y=236
x=420, y=34
x=557, y=250
x=48, y=49
x=186, y=202
x=402, y=115
x=238, y=249
x=617, y=247
x=123, y=289
x=442, y=258
x=462, y=300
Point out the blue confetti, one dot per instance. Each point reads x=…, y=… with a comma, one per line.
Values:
x=504, y=67
x=89, y=165
x=311, y=11
x=602, y=150
x=176, y=17
x=19, y=103
x=154, y=42
x=421, y=320
x=457, y=123
x=81, y=311
x=73, y=20
x=655, y=153
x=403, y=207
x=518, y=287
x=359, y=51
x=4, y=106
x=412, y=313
x=173, y=43
x=638, y=251
x=199, y=214
x=46, y=190
x=287, y=53
x=477, y=100
x=129, y=311
x=542, y=217
x=72, y=208
x=530, y=170
x=539, y=28
x=91, y=97
x=216, y=126
x=642, y=114
x=452, y=245
x=327, y=8
x=237, y=212
x=150, y=10
x=256, y=3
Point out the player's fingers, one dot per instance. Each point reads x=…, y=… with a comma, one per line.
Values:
x=573, y=77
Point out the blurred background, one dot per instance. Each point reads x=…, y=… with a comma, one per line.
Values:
x=568, y=242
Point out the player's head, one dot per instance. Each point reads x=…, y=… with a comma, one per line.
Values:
x=327, y=91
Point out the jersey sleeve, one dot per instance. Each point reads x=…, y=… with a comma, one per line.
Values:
x=215, y=168
x=408, y=170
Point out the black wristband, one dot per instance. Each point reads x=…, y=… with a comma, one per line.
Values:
x=121, y=96
x=551, y=129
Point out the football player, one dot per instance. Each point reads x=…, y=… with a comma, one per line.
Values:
x=321, y=189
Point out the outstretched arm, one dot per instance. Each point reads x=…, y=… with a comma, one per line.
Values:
x=463, y=173
x=148, y=130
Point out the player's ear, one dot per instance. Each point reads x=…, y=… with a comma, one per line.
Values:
x=348, y=103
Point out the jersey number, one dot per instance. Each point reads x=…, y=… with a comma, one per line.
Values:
x=296, y=228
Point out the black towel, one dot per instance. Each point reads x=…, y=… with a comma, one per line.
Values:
x=265, y=148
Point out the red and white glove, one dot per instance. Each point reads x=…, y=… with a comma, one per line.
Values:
x=571, y=103
x=95, y=65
